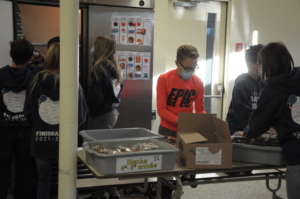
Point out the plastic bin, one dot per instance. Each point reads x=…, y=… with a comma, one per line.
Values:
x=257, y=154
x=161, y=159
x=124, y=133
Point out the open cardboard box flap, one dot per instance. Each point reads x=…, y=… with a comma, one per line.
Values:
x=191, y=137
x=203, y=123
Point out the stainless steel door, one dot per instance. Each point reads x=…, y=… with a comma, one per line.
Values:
x=136, y=99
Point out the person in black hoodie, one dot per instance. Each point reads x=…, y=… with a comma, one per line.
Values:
x=105, y=85
x=15, y=129
x=42, y=109
x=246, y=92
x=278, y=106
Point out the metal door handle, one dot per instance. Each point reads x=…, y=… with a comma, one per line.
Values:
x=220, y=89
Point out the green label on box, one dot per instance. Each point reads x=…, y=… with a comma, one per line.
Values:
x=138, y=164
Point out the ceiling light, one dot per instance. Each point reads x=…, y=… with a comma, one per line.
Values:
x=207, y=1
x=185, y=4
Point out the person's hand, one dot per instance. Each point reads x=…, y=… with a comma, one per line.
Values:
x=41, y=56
x=272, y=130
x=241, y=133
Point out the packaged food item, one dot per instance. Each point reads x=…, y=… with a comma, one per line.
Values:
x=98, y=147
x=103, y=150
x=113, y=152
x=266, y=139
x=135, y=148
x=123, y=149
x=148, y=146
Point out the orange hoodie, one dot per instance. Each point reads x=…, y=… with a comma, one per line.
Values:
x=174, y=96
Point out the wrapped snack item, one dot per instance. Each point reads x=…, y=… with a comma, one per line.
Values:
x=262, y=140
x=148, y=146
x=135, y=148
x=241, y=140
x=238, y=137
x=273, y=139
x=170, y=139
x=98, y=147
x=103, y=150
x=113, y=152
x=170, y=142
x=123, y=149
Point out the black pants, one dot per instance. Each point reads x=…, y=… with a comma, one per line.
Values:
x=165, y=131
x=15, y=144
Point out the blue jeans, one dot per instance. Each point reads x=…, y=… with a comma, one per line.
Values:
x=292, y=176
x=15, y=144
x=44, y=170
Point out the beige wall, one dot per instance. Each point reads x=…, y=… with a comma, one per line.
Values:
x=274, y=20
x=45, y=19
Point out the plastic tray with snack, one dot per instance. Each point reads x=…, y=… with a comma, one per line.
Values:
x=125, y=156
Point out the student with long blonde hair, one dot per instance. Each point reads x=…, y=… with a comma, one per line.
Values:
x=105, y=84
x=42, y=109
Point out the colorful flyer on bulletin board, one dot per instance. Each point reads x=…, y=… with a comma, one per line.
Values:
x=134, y=65
x=130, y=65
x=121, y=57
x=123, y=30
x=132, y=30
x=146, y=66
x=115, y=29
x=138, y=65
x=146, y=31
x=139, y=28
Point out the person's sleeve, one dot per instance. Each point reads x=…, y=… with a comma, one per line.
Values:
x=82, y=108
x=199, y=99
x=161, y=101
x=120, y=93
x=27, y=105
x=261, y=119
x=96, y=91
x=241, y=104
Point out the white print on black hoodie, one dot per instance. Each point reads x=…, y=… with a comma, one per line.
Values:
x=13, y=83
x=42, y=109
x=245, y=95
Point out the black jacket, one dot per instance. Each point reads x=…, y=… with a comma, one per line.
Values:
x=245, y=95
x=42, y=109
x=278, y=106
x=13, y=83
x=103, y=95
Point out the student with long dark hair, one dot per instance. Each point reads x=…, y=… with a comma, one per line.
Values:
x=278, y=106
x=105, y=84
x=42, y=109
x=15, y=129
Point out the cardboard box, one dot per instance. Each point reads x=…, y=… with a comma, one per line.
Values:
x=204, y=141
